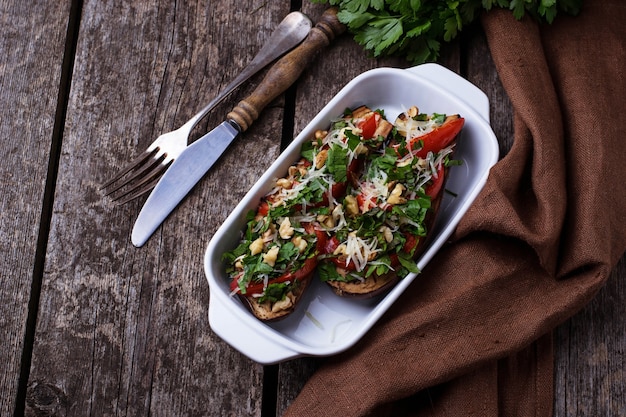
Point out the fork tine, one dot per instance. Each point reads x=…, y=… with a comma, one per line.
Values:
x=143, y=190
x=146, y=171
x=139, y=160
x=145, y=184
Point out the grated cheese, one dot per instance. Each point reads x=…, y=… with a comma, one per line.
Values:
x=359, y=250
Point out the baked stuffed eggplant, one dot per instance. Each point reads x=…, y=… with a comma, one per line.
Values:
x=391, y=208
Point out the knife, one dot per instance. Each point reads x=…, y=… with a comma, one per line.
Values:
x=193, y=163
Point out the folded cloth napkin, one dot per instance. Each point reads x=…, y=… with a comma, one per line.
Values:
x=471, y=336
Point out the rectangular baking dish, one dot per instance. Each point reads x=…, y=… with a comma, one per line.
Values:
x=324, y=323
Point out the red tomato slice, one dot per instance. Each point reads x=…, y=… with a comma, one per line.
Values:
x=308, y=267
x=332, y=244
x=410, y=244
x=440, y=137
x=354, y=171
x=435, y=140
x=436, y=184
x=341, y=263
x=337, y=191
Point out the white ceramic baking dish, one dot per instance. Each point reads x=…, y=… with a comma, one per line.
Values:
x=323, y=323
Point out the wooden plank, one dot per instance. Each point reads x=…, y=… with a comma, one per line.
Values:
x=481, y=71
x=124, y=331
x=31, y=56
x=590, y=369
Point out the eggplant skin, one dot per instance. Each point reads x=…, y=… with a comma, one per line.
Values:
x=371, y=287
x=264, y=311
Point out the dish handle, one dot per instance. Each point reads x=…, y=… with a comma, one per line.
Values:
x=456, y=85
x=248, y=341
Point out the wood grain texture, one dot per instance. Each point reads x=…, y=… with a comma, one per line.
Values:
x=32, y=42
x=590, y=365
x=124, y=331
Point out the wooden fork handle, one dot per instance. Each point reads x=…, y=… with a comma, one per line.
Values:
x=287, y=70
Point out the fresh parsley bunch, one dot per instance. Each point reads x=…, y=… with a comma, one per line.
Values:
x=414, y=29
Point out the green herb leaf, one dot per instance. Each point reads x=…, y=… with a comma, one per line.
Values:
x=409, y=264
x=337, y=163
x=415, y=29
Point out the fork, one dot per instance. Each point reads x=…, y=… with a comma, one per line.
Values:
x=143, y=173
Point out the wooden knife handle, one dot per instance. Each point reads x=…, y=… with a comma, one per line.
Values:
x=286, y=70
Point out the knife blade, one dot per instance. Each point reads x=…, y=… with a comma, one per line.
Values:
x=194, y=162
x=189, y=168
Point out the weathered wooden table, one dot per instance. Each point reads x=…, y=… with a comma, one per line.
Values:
x=94, y=326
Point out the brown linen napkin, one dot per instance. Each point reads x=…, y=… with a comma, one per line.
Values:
x=471, y=336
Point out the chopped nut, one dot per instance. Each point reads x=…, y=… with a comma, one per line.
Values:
x=360, y=149
x=320, y=134
x=271, y=256
x=256, y=247
x=269, y=234
x=326, y=220
x=413, y=111
x=352, y=206
x=284, y=183
x=239, y=263
x=337, y=212
x=396, y=196
x=330, y=222
x=283, y=304
x=340, y=250
x=285, y=230
x=320, y=158
x=404, y=163
x=299, y=243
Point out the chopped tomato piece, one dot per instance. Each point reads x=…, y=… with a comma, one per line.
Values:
x=410, y=243
x=365, y=204
x=368, y=126
x=306, y=269
x=354, y=170
x=340, y=261
x=320, y=234
x=263, y=209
